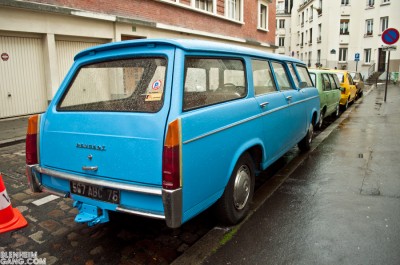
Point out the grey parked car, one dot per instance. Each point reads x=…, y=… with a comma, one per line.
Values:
x=359, y=82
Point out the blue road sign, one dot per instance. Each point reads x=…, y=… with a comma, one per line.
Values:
x=357, y=57
x=390, y=36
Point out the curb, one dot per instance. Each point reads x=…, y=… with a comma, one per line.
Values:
x=218, y=236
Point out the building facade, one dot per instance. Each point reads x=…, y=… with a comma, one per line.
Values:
x=39, y=38
x=330, y=33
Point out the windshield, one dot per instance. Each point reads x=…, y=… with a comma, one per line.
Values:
x=135, y=85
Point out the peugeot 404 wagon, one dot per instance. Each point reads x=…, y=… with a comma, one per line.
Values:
x=167, y=128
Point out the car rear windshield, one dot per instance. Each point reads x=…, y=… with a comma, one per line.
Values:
x=135, y=85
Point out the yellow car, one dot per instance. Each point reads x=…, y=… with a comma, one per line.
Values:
x=349, y=92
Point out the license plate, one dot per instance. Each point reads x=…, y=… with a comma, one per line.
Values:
x=95, y=192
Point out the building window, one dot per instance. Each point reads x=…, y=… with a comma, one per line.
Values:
x=384, y=23
x=369, y=27
x=370, y=3
x=367, y=55
x=345, y=2
x=386, y=1
x=319, y=32
x=281, y=41
x=281, y=23
x=344, y=26
x=302, y=19
x=233, y=9
x=280, y=7
x=310, y=40
x=263, y=15
x=311, y=13
x=206, y=5
x=319, y=10
x=302, y=39
x=318, y=57
x=342, y=54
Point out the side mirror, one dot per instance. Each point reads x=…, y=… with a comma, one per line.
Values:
x=303, y=84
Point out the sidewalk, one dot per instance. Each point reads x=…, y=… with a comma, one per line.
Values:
x=13, y=130
x=341, y=205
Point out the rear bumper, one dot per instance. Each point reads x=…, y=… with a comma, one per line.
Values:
x=172, y=199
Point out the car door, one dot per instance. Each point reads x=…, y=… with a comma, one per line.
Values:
x=273, y=106
x=294, y=97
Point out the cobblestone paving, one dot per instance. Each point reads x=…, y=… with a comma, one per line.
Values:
x=53, y=234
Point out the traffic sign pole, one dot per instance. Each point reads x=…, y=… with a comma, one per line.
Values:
x=390, y=36
x=387, y=77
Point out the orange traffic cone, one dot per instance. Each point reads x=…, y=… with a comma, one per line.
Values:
x=10, y=218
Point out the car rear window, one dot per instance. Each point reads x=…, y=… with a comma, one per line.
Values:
x=135, y=85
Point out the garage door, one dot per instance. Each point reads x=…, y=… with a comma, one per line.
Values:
x=66, y=51
x=22, y=78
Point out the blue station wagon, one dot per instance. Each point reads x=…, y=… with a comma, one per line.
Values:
x=167, y=128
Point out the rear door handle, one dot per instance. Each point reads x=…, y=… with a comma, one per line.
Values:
x=95, y=168
x=288, y=98
x=264, y=104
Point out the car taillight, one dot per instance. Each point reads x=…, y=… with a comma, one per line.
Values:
x=31, y=141
x=171, y=168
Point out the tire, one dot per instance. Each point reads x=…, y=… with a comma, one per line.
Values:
x=346, y=106
x=337, y=111
x=305, y=143
x=234, y=204
x=321, y=120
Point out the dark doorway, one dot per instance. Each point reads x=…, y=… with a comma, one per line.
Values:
x=381, y=60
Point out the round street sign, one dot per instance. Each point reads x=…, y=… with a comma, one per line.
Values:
x=390, y=36
x=4, y=56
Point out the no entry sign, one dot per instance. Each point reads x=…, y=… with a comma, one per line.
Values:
x=4, y=56
x=390, y=36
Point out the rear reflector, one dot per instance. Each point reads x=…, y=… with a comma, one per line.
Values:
x=171, y=177
x=31, y=141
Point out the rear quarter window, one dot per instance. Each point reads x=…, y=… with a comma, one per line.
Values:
x=210, y=81
x=135, y=85
x=304, y=75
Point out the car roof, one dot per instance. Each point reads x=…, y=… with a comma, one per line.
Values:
x=313, y=70
x=188, y=45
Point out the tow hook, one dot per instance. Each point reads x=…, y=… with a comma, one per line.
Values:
x=90, y=214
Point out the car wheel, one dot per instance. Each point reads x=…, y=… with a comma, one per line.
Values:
x=234, y=204
x=321, y=120
x=346, y=106
x=305, y=144
x=336, y=113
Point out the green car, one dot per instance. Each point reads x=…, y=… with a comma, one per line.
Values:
x=329, y=90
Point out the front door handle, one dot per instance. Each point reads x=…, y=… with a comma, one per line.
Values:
x=264, y=104
x=288, y=98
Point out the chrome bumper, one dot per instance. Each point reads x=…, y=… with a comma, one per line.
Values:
x=172, y=199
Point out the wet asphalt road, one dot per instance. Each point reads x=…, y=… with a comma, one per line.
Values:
x=341, y=206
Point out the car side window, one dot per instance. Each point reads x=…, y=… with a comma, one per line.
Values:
x=304, y=75
x=327, y=82
x=294, y=76
x=333, y=83
x=350, y=80
x=210, y=81
x=262, y=78
x=281, y=76
x=314, y=79
x=336, y=79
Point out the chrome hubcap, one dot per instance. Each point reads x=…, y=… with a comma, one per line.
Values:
x=241, y=189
